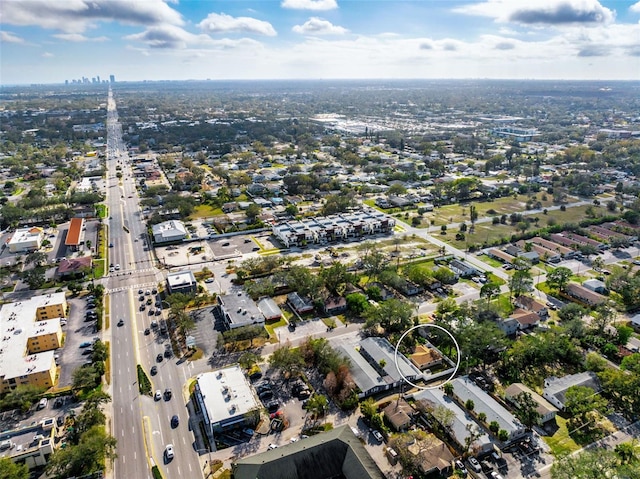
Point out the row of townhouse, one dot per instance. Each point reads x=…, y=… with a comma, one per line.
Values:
x=342, y=227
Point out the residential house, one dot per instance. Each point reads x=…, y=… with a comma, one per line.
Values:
x=399, y=414
x=530, y=304
x=298, y=304
x=269, y=309
x=525, y=319
x=462, y=268
x=335, y=305
x=546, y=410
x=597, y=286
x=434, y=456
x=555, y=389
x=584, y=295
x=424, y=357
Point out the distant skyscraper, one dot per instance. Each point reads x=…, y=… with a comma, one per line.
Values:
x=112, y=78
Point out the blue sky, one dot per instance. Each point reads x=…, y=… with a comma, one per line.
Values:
x=50, y=41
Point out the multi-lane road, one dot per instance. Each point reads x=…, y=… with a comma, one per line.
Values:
x=140, y=424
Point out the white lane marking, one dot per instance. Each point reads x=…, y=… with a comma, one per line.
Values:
x=133, y=429
x=179, y=471
x=124, y=459
x=190, y=470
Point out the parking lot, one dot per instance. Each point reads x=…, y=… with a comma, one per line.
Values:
x=77, y=331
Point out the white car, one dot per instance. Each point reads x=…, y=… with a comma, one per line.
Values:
x=377, y=435
x=117, y=266
x=158, y=395
x=169, y=451
x=272, y=446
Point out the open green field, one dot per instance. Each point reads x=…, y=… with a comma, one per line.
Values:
x=488, y=232
x=101, y=210
x=204, y=211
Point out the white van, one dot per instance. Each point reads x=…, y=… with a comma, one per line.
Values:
x=43, y=403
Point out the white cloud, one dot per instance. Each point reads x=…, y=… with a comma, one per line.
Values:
x=78, y=37
x=319, y=26
x=542, y=12
x=9, y=37
x=76, y=16
x=169, y=37
x=223, y=23
x=635, y=7
x=310, y=4
x=47, y=55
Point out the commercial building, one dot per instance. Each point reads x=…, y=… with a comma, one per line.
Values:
x=182, y=282
x=26, y=239
x=29, y=332
x=169, y=231
x=325, y=229
x=516, y=133
x=74, y=267
x=31, y=445
x=237, y=310
x=226, y=400
x=74, y=234
x=334, y=454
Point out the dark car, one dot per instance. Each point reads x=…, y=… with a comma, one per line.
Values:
x=167, y=353
x=121, y=322
x=147, y=332
x=265, y=395
x=273, y=406
x=154, y=370
x=175, y=421
x=142, y=307
x=260, y=388
x=167, y=394
x=159, y=358
x=141, y=298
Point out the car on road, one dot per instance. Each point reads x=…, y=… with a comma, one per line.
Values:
x=158, y=395
x=377, y=435
x=147, y=332
x=142, y=307
x=154, y=370
x=168, y=452
x=167, y=394
x=272, y=446
x=175, y=421
x=159, y=358
x=110, y=245
x=121, y=322
x=117, y=266
x=209, y=280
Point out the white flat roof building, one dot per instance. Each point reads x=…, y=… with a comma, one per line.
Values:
x=225, y=397
x=168, y=231
x=26, y=239
x=182, y=282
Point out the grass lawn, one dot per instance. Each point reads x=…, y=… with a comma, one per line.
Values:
x=102, y=210
x=99, y=267
x=490, y=261
x=561, y=443
x=204, y=211
x=271, y=326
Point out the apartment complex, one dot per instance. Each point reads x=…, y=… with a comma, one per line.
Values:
x=29, y=333
x=325, y=229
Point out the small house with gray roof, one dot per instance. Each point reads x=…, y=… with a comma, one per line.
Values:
x=555, y=389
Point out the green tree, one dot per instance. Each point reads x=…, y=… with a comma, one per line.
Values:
x=99, y=351
x=571, y=311
x=393, y=315
x=249, y=359
x=252, y=212
x=13, y=470
x=287, y=360
x=605, y=315
x=594, y=463
x=95, y=446
x=448, y=388
x=317, y=405
x=489, y=290
x=368, y=408
x=34, y=277
x=559, y=278
x=85, y=378
x=581, y=402
x=469, y=404
x=526, y=410
x=357, y=303
x=503, y=435
x=22, y=397
x=520, y=282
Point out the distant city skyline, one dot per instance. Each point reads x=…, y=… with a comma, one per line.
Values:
x=46, y=41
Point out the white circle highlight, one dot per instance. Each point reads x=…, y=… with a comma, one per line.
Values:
x=426, y=325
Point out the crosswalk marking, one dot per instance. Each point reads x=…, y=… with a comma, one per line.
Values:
x=133, y=286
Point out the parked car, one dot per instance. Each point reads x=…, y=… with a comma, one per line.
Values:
x=495, y=475
x=272, y=446
x=85, y=344
x=147, y=332
x=474, y=464
x=43, y=403
x=460, y=467
x=273, y=406
x=265, y=395
x=377, y=435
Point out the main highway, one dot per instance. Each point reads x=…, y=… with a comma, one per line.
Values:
x=140, y=424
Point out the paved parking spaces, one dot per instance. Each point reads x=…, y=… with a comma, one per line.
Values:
x=77, y=331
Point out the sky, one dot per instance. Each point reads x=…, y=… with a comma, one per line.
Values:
x=50, y=41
